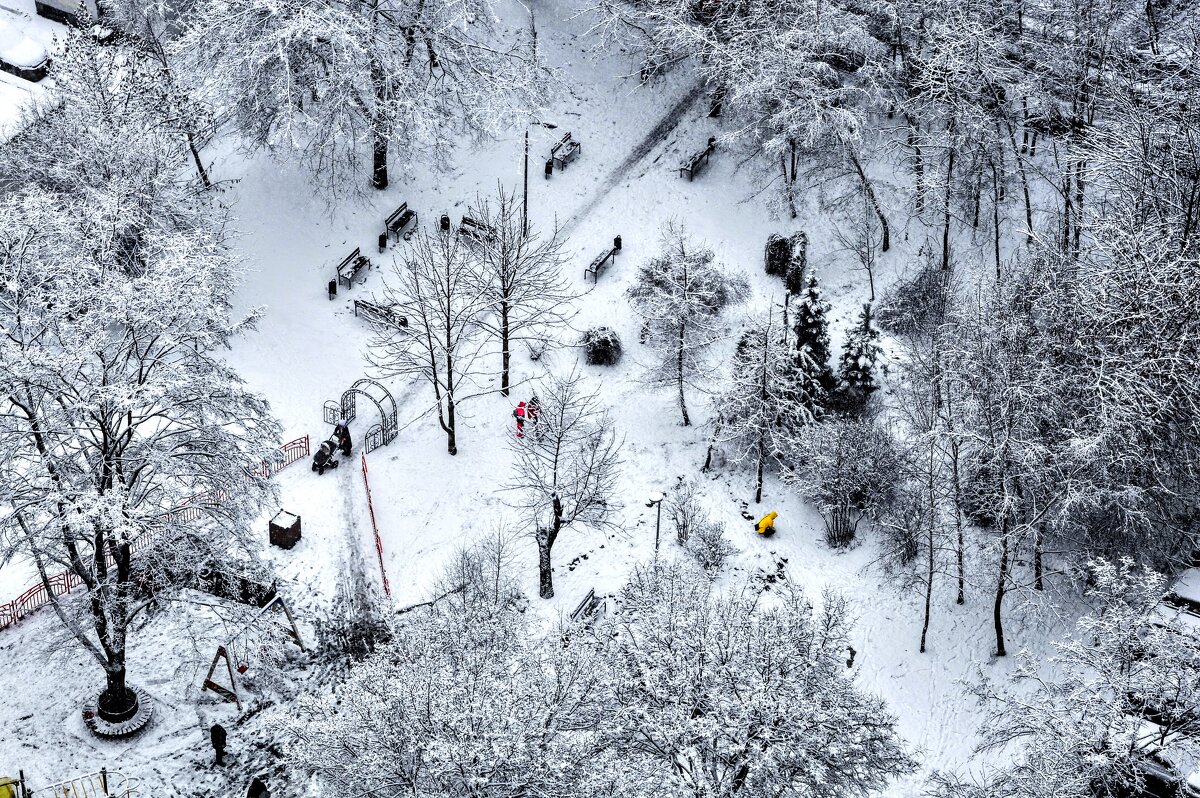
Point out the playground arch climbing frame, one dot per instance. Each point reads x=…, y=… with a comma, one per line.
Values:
x=380, y=434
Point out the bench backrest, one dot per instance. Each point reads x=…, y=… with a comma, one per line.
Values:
x=396, y=214
x=350, y=258
x=565, y=140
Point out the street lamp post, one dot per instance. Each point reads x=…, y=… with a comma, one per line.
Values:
x=656, y=499
x=525, y=192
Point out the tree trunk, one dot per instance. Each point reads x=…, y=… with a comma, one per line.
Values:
x=712, y=442
x=117, y=703
x=679, y=376
x=996, y=215
x=762, y=459
x=545, y=575
x=379, y=168
x=869, y=190
x=199, y=164
x=918, y=166
x=379, y=128
x=1039, y=533
x=789, y=187
x=1001, y=588
x=451, y=437
x=946, y=211
x=505, y=352
x=929, y=550
x=545, y=540
x=1080, y=168
x=1012, y=137
x=958, y=524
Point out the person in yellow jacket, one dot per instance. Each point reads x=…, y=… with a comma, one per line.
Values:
x=766, y=524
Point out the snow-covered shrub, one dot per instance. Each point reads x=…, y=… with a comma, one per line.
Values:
x=602, y=346
x=685, y=510
x=850, y=468
x=794, y=278
x=778, y=255
x=900, y=523
x=709, y=545
x=915, y=303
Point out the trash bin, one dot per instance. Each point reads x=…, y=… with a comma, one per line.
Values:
x=284, y=530
x=331, y=287
x=549, y=167
x=444, y=222
x=617, y=243
x=383, y=237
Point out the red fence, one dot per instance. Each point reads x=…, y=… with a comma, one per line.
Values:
x=289, y=453
x=387, y=589
x=191, y=510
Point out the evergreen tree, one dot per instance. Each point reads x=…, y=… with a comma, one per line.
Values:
x=859, y=355
x=812, y=333
x=759, y=411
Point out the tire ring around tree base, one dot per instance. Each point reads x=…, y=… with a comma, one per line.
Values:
x=128, y=728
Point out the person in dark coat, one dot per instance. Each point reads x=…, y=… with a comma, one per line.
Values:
x=342, y=432
x=258, y=789
x=217, y=735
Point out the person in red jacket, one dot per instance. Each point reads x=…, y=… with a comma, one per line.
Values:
x=519, y=415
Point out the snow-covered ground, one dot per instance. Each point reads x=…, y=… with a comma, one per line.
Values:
x=308, y=350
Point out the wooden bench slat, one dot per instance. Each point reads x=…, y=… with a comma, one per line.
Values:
x=599, y=263
x=350, y=266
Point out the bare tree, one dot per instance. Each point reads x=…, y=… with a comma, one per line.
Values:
x=521, y=274
x=681, y=294
x=438, y=292
x=859, y=238
x=565, y=467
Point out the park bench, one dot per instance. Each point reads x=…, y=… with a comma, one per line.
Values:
x=472, y=229
x=380, y=314
x=599, y=263
x=565, y=151
x=694, y=164
x=349, y=268
x=591, y=608
x=401, y=222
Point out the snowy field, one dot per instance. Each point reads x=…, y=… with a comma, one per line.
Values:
x=307, y=350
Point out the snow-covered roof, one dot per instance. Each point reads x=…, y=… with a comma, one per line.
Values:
x=18, y=49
